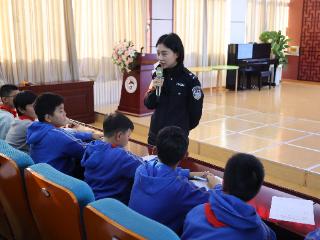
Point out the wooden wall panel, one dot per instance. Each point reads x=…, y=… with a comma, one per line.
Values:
x=309, y=66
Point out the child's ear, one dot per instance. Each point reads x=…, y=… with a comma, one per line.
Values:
x=5, y=100
x=21, y=110
x=118, y=135
x=154, y=151
x=47, y=118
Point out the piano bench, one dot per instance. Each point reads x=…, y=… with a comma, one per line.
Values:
x=264, y=75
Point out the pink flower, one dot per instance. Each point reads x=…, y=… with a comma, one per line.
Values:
x=124, y=53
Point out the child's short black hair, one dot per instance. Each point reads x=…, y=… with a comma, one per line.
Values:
x=173, y=42
x=172, y=144
x=6, y=90
x=46, y=103
x=116, y=122
x=23, y=99
x=243, y=176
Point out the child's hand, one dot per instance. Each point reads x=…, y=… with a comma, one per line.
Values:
x=97, y=135
x=199, y=174
x=72, y=125
x=212, y=180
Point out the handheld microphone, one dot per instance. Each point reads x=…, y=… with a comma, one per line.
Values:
x=159, y=74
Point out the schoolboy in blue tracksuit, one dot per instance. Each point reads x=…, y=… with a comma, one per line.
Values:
x=51, y=144
x=227, y=215
x=161, y=190
x=108, y=168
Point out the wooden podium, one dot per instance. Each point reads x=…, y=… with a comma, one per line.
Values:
x=135, y=84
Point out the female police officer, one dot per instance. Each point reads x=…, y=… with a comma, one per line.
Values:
x=180, y=98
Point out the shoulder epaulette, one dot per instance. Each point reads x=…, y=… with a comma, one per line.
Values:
x=190, y=74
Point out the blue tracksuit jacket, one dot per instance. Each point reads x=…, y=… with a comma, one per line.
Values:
x=109, y=170
x=240, y=219
x=164, y=194
x=56, y=146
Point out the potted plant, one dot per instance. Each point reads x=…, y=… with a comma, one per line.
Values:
x=279, y=43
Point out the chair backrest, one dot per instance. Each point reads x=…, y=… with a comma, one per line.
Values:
x=13, y=196
x=111, y=219
x=5, y=229
x=56, y=201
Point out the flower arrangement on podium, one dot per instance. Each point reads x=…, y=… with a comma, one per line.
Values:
x=125, y=55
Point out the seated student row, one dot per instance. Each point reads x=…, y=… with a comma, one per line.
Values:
x=161, y=190
x=64, y=149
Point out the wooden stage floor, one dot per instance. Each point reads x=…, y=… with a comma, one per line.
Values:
x=281, y=126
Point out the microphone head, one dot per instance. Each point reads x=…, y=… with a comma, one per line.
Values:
x=159, y=72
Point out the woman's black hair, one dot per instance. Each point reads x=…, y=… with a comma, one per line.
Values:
x=173, y=42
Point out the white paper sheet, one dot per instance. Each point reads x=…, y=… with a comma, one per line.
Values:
x=204, y=184
x=149, y=157
x=292, y=210
x=200, y=184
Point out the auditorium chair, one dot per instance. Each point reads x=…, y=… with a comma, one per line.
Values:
x=5, y=229
x=16, y=218
x=57, y=201
x=110, y=219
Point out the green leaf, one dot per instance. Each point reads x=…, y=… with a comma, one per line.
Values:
x=279, y=43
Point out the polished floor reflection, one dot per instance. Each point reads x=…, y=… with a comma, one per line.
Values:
x=281, y=125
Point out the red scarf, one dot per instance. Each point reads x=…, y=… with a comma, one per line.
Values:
x=211, y=217
x=9, y=109
x=25, y=117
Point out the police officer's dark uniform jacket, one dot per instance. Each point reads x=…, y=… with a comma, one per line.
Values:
x=180, y=102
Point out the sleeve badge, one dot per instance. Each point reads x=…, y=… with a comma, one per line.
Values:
x=196, y=92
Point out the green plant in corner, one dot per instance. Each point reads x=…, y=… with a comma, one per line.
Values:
x=279, y=43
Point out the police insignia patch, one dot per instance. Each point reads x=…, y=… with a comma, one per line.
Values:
x=196, y=92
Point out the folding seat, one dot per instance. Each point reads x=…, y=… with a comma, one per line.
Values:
x=56, y=201
x=15, y=212
x=111, y=219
